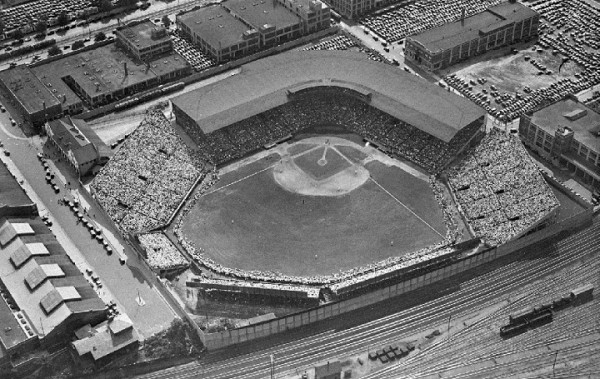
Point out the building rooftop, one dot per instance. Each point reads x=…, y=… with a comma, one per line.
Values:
x=100, y=341
x=167, y=63
x=263, y=84
x=262, y=13
x=144, y=34
x=11, y=193
x=45, y=284
x=72, y=135
x=215, y=25
x=28, y=89
x=452, y=34
x=51, y=74
x=585, y=128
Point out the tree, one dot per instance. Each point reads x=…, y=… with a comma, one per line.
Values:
x=100, y=37
x=77, y=45
x=54, y=50
x=18, y=34
x=63, y=18
x=166, y=21
x=41, y=26
x=104, y=5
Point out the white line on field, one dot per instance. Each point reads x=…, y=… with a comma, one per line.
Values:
x=407, y=208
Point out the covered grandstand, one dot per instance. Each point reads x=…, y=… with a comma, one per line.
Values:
x=268, y=83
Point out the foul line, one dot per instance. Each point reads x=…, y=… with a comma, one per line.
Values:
x=401, y=203
x=239, y=180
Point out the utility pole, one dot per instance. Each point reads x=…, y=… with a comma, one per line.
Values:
x=272, y=366
x=448, y=328
x=554, y=364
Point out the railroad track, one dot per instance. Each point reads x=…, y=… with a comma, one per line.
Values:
x=475, y=292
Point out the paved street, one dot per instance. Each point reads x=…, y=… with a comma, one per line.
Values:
x=128, y=283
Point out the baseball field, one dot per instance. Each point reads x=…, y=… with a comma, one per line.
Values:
x=314, y=207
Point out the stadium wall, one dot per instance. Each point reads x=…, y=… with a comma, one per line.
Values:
x=219, y=340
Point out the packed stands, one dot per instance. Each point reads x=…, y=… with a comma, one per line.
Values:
x=148, y=177
x=396, y=24
x=162, y=255
x=320, y=107
x=500, y=189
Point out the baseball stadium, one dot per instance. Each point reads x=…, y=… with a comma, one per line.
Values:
x=317, y=175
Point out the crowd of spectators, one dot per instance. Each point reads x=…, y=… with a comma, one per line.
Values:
x=397, y=138
x=449, y=211
x=401, y=22
x=143, y=184
x=161, y=254
x=194, y=56
x=500, y=190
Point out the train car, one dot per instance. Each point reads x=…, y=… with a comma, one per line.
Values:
x=541, y=318
x=583, y=291
x=521, y=316
x=513, y=329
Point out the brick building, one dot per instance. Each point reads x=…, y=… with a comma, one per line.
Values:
x=144, y=40
x=567, y=133
x=240, y=27
x=453, y=42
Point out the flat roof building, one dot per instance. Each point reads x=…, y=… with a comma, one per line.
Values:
x=29, y=95
x=274, y=22
x=107, y=73
x=445, y=45
x=144, y=40
x=352, y=8
x=567, y=133
x=218, y=33
x=240, y=27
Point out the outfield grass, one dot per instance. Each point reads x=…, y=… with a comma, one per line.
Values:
x=256, y=225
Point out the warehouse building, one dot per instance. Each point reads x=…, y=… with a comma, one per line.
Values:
x=240, y=27
x=29, y=95
x=43, y=295
x=353, y=8
x=567, y=133
x=453, y=42
x=218, y=33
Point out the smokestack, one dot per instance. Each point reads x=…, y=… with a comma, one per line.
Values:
x=462, y=16
x=125, y=68
x=64, y=98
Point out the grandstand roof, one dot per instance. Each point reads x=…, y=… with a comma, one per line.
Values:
x=263, y=13
x=585, y=128
x=215, y=25
x=263, y=84
x=453, y=34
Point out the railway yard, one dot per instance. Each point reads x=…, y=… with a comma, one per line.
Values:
x=528, y=277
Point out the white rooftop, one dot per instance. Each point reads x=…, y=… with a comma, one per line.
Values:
x=37, y=248
x=52, y=270
x=22, y=228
